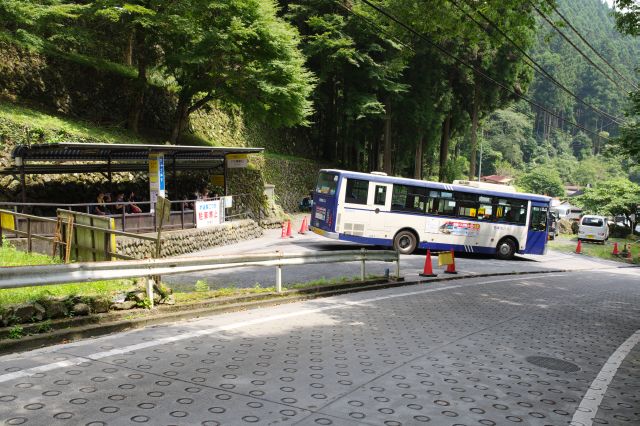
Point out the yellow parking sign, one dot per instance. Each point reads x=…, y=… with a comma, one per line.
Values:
x=445, y=258
x=7, y=221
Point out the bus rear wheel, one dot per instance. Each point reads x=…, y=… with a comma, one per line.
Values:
x=405, y=242
x=506, y=249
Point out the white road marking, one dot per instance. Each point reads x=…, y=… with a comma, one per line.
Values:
x=588, y=408
x=242, y=324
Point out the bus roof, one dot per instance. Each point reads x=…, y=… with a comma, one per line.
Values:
x=438, y=185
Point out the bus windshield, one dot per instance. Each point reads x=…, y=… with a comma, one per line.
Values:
x=327, y=183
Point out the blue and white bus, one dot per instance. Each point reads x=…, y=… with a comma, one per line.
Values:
x=372, y=208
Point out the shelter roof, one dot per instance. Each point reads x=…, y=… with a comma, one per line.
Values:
x=59, y=158
x=105, y=151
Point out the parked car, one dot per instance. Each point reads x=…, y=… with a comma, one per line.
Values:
x=593, y=228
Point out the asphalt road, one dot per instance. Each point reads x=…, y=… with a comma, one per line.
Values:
x=466, y=264
x=535, y=350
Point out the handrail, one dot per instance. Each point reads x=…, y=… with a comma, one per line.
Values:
x=18, y=204
x=21, y=276
x=77, y=225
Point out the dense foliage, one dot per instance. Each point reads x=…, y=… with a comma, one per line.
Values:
x=427, y=89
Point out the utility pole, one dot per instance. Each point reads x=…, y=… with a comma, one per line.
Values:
x=480, y=162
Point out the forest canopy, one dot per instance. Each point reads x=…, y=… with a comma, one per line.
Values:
x=438, y=89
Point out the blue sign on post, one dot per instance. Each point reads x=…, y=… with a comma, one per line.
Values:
x=161, y=172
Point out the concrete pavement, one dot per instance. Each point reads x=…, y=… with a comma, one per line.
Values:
x=490, y=351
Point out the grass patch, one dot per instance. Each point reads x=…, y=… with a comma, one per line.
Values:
x=203, y=293
x=65, y=127
x=567, y=244
x=10, y=256
x=15, y=296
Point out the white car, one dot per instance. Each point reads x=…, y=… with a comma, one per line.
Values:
x=593, y=228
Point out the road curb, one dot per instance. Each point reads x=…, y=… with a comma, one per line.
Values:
x=92, y=327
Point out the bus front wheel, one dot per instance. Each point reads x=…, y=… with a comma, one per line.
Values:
x=506, y=249
x=405, y=242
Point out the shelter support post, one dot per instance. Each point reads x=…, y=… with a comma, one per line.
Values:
x=109, y=174
x=174, y=178
x=226, y=174
x=23, y=182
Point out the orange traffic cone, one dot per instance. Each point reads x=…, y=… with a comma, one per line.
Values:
x=283, y=232
x=451, y=269
x=306, y=228
x=303, y=226
x=615, y=251
x=579, y=246
x=289, y=229
x=428, y=267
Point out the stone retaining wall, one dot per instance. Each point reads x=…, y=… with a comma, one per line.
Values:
x=191, y=240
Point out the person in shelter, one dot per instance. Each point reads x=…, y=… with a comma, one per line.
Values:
x=133, y=208
x=99, y=208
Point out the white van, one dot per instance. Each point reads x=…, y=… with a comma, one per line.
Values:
x=593, y=228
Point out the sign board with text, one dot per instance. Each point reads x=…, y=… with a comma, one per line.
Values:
x=237, y=161
x=209, y=213
x=156, y=176
x=163, y=211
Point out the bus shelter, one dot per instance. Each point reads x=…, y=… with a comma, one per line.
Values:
x=162, y=162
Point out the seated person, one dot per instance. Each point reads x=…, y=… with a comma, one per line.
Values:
x=133, y=208
x=107, y=200
x=99, y=208
x=120, y=207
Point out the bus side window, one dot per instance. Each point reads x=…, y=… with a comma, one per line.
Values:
x=447, y=206
x=357, y=191
x=511, y=211
x=380, y=196
x=485, y=208
x=467, y=205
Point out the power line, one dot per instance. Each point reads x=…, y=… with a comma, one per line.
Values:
x=375, y=26
x=533, y=64
x=472, y=67
x=564, y=36
x=591, y=47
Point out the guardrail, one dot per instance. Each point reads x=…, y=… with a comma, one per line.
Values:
x=14, y=277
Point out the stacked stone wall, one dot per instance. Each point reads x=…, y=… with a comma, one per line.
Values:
x=175, y=243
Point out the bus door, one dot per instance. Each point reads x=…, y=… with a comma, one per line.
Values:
x=380, y=204
x=538, y=229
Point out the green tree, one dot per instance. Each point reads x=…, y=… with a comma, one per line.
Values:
x=611, y=197
x=238, y=52
x=141, y=21
x=628, y=16
x=542, y=180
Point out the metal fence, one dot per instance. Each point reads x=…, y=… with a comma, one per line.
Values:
x=14, y=277
x=182, y=212
x=30, y=227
